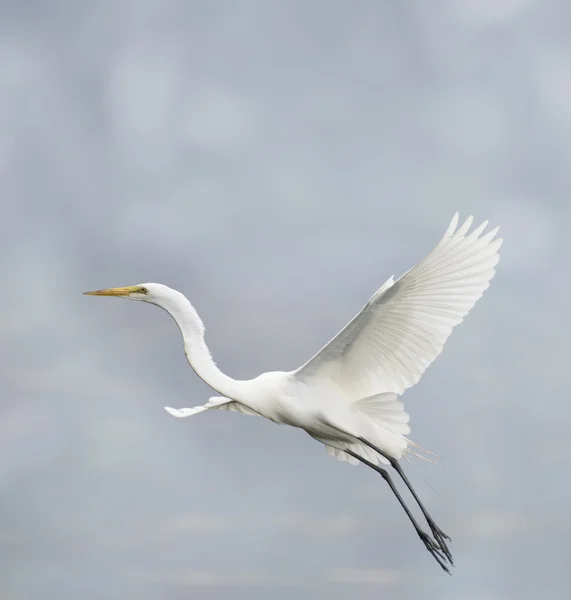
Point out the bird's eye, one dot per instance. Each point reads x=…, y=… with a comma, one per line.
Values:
x=144, y=290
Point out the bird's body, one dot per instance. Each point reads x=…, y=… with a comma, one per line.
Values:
x=346, y=396
x=324, y=413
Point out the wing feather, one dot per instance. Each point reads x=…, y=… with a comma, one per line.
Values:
x=402, y=329
x=216, y=402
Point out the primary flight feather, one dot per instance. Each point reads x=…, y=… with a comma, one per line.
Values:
x=346, y=396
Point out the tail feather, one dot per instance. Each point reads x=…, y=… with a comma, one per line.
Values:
x=385, y=410
x=409, y=450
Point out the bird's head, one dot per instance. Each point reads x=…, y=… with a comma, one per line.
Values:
x=160, y=295
x=154, y=293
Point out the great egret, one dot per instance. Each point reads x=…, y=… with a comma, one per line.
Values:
x=346, y=396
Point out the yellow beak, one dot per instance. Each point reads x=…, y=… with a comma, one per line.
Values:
x=119, y=291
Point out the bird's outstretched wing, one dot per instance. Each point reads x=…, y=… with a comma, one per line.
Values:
x=218, y=402
x=403, y=327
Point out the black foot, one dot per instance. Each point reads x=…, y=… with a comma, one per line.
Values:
x=434, y=549
x=440, y=538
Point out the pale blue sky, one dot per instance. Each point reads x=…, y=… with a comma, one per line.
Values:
x=276, y=162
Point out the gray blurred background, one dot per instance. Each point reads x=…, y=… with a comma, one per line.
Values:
x=276, y=162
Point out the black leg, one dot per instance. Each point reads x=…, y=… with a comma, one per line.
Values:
x=438, y=534
x=426, y=539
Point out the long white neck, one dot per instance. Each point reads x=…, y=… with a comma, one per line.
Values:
x=195, y=348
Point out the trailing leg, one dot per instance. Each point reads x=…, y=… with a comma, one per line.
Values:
x=438, y=534
x=428, y=542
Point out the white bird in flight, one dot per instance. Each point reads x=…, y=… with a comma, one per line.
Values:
x=346, y=396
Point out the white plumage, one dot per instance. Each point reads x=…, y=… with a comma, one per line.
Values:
x=346, y=396
x=403, y=327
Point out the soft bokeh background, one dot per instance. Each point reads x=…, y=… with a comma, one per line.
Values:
x=276, y=162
